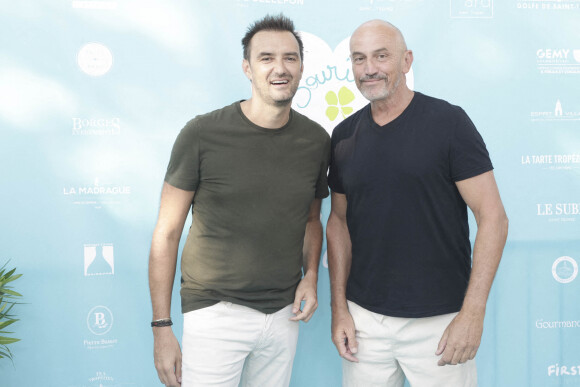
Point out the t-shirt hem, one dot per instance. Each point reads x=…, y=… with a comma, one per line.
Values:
x=179, y=184
x=191, y=305
x=444, y=309
x=472, y=173
x=335, y=190
x=322, y=195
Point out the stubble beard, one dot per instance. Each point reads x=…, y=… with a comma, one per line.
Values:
x=382, y=94
x=284, y=101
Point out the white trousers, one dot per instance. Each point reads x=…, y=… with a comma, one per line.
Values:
x=392, y=348
x=230, y=345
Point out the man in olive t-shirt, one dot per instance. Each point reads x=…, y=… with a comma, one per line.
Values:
x=254, y=175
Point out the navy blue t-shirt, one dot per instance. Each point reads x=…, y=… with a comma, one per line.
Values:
x=411, y=255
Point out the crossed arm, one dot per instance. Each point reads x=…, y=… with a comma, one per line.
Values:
x=174, y=207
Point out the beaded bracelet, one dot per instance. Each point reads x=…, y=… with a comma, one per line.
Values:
x=164, y=322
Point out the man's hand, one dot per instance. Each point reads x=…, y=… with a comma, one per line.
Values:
x=461, y=339
x=167, y=355
x=343, y=334
x=306, y=291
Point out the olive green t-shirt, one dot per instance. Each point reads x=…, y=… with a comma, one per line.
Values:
x=253, y=189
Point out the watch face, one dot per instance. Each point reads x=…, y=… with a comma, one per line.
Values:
x=95, y=59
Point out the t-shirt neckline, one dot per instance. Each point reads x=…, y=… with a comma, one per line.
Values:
x=261, y=128
x=394, y=123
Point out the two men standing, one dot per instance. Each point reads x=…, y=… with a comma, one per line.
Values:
x=254, y=173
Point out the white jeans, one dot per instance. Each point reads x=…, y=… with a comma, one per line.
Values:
x=230, y=345
x=392, y=348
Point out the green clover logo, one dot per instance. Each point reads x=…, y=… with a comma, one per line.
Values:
x=345, y=96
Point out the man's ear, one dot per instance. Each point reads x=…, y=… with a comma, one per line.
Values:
x=408, y=61
x=247, y=69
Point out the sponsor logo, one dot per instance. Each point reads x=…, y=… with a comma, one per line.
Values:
x=471, y=9
x=558, y=212
x=558, y=60
x=100, y=320
x=96, y=126
x=565, y=269
x=327, y=91
x=558, y=370
x=541, y=324
x=101, y=376
x=100, y=343
x=549, y=5
x=95, y=59
x=97, y=194
x=94, y=4
x=104, y=379
x=384, y=5
x=99, y=323
x=557, y=113
x=99, y=259
x=553, y=161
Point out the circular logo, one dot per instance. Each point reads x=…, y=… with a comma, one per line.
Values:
x=95, y=59
x=100, y=320
x=564, y=269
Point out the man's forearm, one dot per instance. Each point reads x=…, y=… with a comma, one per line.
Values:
x=312, y=247
x=312, y=240
x=162, y=265
x=339, y=259
x=487, y=251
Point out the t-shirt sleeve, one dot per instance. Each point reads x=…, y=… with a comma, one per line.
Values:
x=468, y=154
x=322, y=182
x=183, y=169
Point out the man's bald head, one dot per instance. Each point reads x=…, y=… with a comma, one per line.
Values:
x=378, y=26
x=380, y=61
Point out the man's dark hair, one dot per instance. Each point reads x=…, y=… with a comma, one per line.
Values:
x=271, y=23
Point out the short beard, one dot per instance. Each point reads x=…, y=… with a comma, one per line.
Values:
x=284, y=102
x=385, y=93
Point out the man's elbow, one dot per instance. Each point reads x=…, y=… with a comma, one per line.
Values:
x=500, y=222
x=331, y=226
x=504, y=224
x=166, y=235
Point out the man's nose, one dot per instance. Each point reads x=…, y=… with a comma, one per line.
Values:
x=280, y=67
x=370, y=67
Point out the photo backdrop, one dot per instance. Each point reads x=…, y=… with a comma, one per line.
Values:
x=94, y=92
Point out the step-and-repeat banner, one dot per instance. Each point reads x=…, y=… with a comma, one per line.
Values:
x=94, y=92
